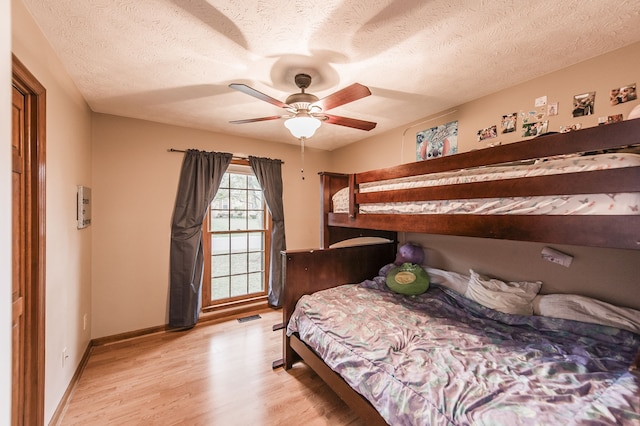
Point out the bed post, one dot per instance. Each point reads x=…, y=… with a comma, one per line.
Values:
x=330, y=183
x=352, y=196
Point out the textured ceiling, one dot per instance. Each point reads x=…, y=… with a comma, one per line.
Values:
x=171, y=61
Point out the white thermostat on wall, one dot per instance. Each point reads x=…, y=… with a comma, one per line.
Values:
x=84, y=207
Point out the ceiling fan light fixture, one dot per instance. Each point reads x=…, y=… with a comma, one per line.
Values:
x=306, y=110
x=302, y=125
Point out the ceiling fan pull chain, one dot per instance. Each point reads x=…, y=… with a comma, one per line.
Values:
x=302, y=156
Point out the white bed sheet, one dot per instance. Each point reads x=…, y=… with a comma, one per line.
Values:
x=583, y=204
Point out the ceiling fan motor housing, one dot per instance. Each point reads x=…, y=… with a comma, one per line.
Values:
x=303, y=81
x=301, y=100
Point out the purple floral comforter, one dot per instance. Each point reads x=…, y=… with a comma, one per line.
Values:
x=442, y=359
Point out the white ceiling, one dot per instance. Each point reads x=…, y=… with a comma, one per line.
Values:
x=171, y=61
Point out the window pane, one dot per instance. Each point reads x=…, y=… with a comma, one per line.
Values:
x=238, y=263
x=220, y=243
x=220, y=288
x=238, y=181
x=238, y=243
x=221, y=200
x=254, y=200
x=255, y=262
x=238, y=199
x=253, y=182
x=255, y=219
x=224, y=183
x=220, y=265
x=256, y=284
x=238, y=285
x=219, y=220
x=255, y=241
x=238, y=221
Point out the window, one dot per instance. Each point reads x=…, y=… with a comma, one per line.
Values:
x=237, y=237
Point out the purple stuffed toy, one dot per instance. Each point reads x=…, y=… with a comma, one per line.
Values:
x=409, y=253
x=405, y=275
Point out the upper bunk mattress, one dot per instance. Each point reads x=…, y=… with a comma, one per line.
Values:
x=442, y=359
x=582, y=204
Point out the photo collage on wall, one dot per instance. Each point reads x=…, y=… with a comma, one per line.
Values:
x=437, y=141
x=443, y=139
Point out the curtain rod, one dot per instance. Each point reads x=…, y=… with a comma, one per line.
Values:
x=235, y=157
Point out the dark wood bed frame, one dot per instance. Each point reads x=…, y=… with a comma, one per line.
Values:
x=307, y=271
x=593, y=230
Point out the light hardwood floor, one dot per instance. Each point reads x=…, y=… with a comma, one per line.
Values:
x=218, y=374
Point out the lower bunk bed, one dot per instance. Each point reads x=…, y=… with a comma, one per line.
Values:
x=443, y=358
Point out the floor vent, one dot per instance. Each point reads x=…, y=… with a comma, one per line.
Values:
x=249, y=318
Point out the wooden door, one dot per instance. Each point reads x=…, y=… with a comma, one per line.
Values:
x=19, y=258
x=28, y=266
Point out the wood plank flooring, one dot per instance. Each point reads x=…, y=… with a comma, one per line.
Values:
x=218, y=374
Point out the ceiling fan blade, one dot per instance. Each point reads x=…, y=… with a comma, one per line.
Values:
x=350, y=122
x=256, y=94
x=253, y=120
x=348, y=94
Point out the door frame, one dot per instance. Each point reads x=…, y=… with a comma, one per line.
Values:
x=34, y=306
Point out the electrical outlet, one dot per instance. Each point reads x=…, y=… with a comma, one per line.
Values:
x=84, y=322
x=556, y=256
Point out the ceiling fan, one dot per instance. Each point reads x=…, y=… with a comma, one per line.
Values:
x=306, y=111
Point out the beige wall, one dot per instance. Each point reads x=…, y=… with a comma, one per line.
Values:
x=608, y=274
x=5, y=216
x=600, y=74
x=68, y=164
x=135, y=181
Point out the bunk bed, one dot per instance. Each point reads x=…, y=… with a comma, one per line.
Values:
x=334, y=265
x=605, y=230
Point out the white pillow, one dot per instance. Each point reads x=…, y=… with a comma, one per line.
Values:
x=510, y=298
x=360, y=241
x=586, y=309
x=453, y=280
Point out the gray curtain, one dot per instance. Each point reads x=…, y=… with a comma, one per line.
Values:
x=199, y=181
x=269, y=174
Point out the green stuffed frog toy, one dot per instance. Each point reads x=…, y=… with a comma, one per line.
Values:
x=408, y=277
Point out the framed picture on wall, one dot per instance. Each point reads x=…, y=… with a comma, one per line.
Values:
x=623, y=94
x=583, y=104
x=487, y=133
x=437, y=141
x=534, y=128
x=508, y=123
